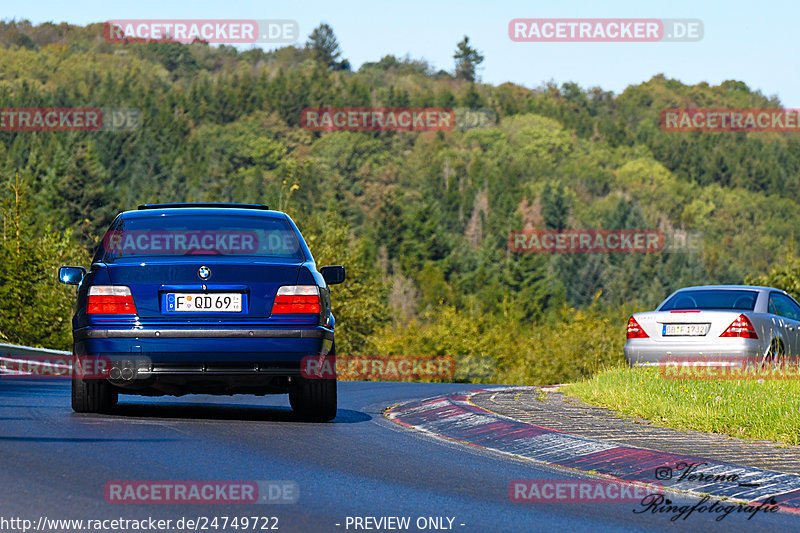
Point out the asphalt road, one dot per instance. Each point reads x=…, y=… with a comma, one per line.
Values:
x=55, y=464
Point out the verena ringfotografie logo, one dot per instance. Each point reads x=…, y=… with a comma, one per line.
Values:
x=69, y=119
x=202, y=492
x=573, y=490
x=658, y=504
x=378, y=119
x=693, y=472
x=721, y=367
x=378, y=367
x=700, y=475
x=730, y=120
x=586, y=241
x=214, y=31
x=587, y=30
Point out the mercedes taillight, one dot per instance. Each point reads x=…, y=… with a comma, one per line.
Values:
x=741, y=327
x=635, y=331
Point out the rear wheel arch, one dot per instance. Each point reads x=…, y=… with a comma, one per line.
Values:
x=776, y=350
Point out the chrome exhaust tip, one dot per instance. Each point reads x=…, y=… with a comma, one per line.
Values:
x=127, y=373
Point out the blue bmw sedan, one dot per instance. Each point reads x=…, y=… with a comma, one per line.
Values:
x=203, y=299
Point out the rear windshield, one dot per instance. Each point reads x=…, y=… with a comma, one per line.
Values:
x=739, y=300
x=200, y=235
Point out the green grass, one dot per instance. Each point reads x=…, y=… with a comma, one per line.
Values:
x=746, y=409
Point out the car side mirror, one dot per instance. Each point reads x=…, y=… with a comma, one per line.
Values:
x=70, y=275
x=332, y=274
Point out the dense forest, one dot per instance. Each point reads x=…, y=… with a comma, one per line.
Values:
x=420, y=219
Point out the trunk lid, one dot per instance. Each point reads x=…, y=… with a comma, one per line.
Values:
x=152, y=283
x=671, y=326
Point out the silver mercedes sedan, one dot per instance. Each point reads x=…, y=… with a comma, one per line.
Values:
x=728, y=321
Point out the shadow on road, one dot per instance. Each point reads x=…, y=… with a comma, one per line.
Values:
x=78, y=439
x=15, y=386
x=211, y=411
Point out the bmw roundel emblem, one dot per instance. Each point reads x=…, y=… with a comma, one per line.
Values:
x=204, y=272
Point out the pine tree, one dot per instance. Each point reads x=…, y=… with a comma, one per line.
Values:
x=467, y=58
x=85, y=197
x=35, y=310
x=555, y=206
x=324, y=47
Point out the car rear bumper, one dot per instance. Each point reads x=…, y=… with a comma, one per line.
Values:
x=179, y=361
x=237, y=349
x=202, y=333
x=646, y=351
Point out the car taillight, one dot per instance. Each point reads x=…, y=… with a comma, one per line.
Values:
x=294, y=299
x=635, y=331
x=110, y=300
x=741, y=327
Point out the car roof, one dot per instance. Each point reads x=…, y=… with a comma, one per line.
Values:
x=150, y=210
x=730, y=287
x=203, y=204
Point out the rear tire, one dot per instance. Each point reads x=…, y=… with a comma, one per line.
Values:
x=92, y=395
x=314, y=400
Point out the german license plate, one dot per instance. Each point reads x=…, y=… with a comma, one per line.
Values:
x=684, y=330
x=218, y=302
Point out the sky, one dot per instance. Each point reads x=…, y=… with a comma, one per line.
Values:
x=754, y=42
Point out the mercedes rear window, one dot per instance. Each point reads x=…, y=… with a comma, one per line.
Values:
x=731, y=299
x=200, y=235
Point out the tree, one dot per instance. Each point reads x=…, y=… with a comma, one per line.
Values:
x=555, y=206
x=360, y=303
x=324, y=47
x=35, y=310
x=472, y=98
x=86, y=200
x=529, y=287
x=467, y=58
x=784, y=275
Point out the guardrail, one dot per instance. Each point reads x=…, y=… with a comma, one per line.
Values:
x=14, y=357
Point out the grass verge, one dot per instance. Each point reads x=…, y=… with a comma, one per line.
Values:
x=746, y=409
